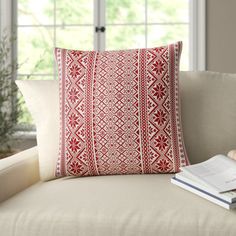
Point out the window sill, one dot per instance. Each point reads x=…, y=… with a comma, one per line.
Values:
x=26, y=135
x=21, y=140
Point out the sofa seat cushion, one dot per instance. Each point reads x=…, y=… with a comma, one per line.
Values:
x=110, y=206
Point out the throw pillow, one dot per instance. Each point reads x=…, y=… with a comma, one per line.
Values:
x=119, y=112
x=42, y=100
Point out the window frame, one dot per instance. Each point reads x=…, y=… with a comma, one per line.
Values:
x=197, y=39
x=197, y=29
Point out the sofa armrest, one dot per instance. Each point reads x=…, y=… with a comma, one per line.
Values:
x=18, y=172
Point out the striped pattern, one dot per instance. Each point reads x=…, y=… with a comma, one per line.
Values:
x=120, y=112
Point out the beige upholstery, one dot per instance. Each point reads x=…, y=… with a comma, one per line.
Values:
x=18, y=172
x=208, y=101
x=138, y=205
x=134, y=205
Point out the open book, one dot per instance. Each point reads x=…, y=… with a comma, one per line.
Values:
x=218, y=173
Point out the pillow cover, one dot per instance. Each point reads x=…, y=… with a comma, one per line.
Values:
x=120, y=112
x=42, y=100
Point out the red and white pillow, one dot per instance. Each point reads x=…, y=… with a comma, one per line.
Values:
x=120, y=112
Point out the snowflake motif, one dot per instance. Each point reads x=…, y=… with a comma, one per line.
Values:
x=163, y=166
x=73, y=145
x=158, y=67
x=160, y=117
x=73, y=95
x=73, y=120
x=159, y=49
x=74, y=71
x=161, y=142
x=159, y=91
x=75, y=167
x=76, y=53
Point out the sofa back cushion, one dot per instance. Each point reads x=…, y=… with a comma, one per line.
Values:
x=120, y=112
x=208, y=104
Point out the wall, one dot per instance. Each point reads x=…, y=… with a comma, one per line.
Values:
x=221, y=35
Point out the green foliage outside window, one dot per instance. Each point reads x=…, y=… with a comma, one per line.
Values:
x=9, y=104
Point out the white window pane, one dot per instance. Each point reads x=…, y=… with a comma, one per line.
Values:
x=35, y=50
x=30, y=12
x=166, y=11
x=125, y=37
x=80, y=38
x=125, y=11
x=74, y=12
x=159, y=35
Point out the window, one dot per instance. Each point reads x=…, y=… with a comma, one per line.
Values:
x=127, y=23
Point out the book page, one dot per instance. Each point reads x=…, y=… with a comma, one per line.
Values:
x=219, y=172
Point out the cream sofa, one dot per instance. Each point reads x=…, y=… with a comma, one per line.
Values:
x=132, y=204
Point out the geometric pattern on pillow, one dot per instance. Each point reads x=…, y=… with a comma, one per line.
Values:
x=120, y=112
